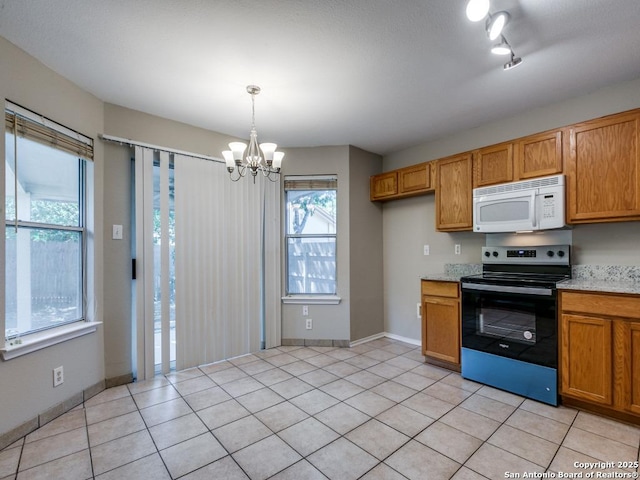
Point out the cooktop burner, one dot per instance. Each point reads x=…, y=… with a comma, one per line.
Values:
x=516, y=279
x=519, y=266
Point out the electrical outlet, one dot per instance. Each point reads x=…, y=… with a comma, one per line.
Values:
x=456, y=249
x=419, y=310
x=305, y=310
x=426, y=249
x=58, y=376
x=309, y=324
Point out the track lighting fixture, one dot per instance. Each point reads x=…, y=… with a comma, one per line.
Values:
x=478, y=10
x=495, y=24
x=514, y=62
x=502, y=48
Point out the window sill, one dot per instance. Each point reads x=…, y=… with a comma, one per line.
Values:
x=38, y=341
x=312, y=299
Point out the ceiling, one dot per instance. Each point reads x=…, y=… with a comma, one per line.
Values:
x=378, y=74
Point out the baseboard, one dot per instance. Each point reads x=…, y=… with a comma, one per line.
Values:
x=370, y=338
x=119, y=380
x=310, y=342
x=410, y=341
x=392, y=336
x=50, y=414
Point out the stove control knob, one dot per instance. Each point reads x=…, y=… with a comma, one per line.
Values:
x=495, y=254
x=550, y=253
x=487, y=254
x=561, y=253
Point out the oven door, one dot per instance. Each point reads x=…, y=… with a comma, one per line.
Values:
x=513, y=322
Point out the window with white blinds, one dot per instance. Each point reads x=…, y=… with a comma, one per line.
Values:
x=45, y=223
x=310, y=234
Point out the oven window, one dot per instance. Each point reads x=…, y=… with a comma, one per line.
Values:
x=507, y=323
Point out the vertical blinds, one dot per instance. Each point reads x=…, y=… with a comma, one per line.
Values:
x=27, y=124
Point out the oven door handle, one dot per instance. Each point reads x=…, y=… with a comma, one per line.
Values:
x=507, y=289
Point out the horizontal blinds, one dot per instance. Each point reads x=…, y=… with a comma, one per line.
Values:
x=311, y=183
x=47, y=132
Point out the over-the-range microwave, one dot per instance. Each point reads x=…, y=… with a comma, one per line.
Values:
x=536, y=204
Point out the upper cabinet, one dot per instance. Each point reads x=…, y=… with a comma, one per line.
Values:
x=383, y=186
x=603, y=169
x=404, y=182
x=454, y=182
x=600, y=158
x=538, y=155
x=528, y=157
x=493, y=164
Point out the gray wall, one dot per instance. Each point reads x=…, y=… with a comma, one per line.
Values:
x=27, y=388
x=409, y=224
x=329, y=321
x=359, y=262
x=131, y=124
x=365, y=234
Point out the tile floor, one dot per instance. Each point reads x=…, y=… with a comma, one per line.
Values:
x=374, y=411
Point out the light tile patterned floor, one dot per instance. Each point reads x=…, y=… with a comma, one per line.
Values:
x=374, y=411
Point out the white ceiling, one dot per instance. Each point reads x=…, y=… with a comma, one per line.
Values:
x=378, y=74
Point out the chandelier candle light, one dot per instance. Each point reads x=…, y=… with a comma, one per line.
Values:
x=262, y=159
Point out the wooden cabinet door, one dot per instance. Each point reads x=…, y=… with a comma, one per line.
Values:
x=415, y=179
x=494, y=164
x=627, y=357
x=586, y=360
x=539, y=155
x=603, y=169
x=441, y=328
x=454, y=184
x=383, y=185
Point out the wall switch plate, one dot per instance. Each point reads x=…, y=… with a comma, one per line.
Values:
x=426, y=249
x=456, y=249
x=117, y=232
x=419, y=310
x=309, y=324
x=305, y=310
x=58, y=376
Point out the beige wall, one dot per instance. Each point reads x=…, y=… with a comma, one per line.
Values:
x=27, y=388
x=409, y=224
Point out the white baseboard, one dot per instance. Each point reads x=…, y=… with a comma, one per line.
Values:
x=410, y=341
x=367, y=339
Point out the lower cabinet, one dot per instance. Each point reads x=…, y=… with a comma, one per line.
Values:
x=587, y=368
x=600, y=351
x=441, y=323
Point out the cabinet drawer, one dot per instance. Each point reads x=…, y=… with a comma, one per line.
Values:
x=609, y=305
x=440, y=289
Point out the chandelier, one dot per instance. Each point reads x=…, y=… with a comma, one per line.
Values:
x=262, y=158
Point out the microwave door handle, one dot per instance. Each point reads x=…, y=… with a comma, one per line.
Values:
x=532, y=210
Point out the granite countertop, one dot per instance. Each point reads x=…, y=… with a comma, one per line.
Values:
x=442, y=277
x=592, y=278
x=454, y=271
x=598, y=285
x=604, y=278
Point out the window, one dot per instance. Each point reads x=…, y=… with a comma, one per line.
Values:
x=311, y=235
x=45, y=236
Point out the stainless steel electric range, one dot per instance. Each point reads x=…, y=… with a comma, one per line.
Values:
x=509, y=320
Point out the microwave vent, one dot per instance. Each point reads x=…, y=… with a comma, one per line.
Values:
x=517, y=186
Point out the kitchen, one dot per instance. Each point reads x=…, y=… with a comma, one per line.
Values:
x=618, y=273
x=407, y=225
